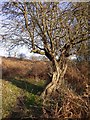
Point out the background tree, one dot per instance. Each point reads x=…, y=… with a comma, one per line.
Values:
x=22, y=56
x=48, y=28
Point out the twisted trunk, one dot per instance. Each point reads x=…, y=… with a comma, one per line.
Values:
x=59, y=70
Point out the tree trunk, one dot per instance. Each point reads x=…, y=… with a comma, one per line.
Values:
x=57, y=79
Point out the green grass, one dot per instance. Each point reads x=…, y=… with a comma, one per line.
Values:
x=9, y=97
x=21, y=97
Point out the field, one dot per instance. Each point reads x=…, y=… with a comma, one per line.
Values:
x=23, y=82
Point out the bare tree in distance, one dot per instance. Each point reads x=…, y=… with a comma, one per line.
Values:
x=50, y=29
x=22, y=56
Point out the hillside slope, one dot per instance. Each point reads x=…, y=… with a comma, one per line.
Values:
x=12, y=67
x=76, y=75
x=23, y=82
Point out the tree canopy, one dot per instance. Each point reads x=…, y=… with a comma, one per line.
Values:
x=48, y=28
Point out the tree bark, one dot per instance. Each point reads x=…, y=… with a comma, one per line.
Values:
x=59, y=70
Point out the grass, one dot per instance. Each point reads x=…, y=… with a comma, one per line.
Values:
x=9, y=97
x=21, y=97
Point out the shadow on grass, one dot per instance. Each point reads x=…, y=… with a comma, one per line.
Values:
x=34, y=89
x=25, y=109
x=26, y=105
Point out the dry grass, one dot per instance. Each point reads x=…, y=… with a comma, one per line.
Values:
x=12, y=67
x=66, y=104
x=24, y=68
